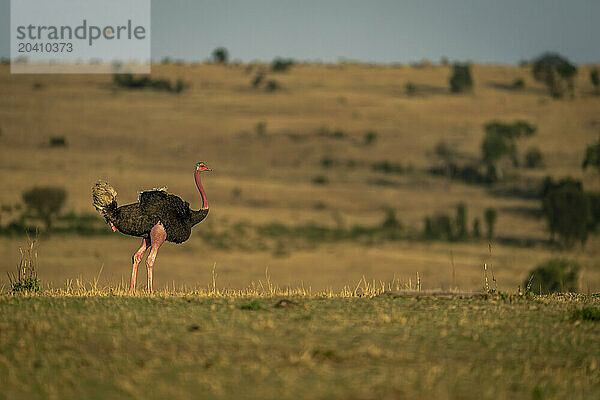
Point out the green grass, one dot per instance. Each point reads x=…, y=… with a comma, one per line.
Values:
x=192, y=346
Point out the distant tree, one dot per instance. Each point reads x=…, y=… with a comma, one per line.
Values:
x=500, y=141
x=220, y=55
x=556, y=275
x=462, y=231
x=461, y=80
x=556, y=72
x=476, y=228
x=46, y=202
x=595, y=78
x=369, y=138
x=533, y=158
x=518, y=84
x=390, y=221
x=411, y=88
x=567, y=211
x=592, y=156
x=491, y=215
x=281, y=64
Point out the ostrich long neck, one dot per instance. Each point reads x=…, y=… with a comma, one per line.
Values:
x=201, y=190
x=198, y=216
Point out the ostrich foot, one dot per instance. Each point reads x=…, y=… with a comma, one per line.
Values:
x=158, y=235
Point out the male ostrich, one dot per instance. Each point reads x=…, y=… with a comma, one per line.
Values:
x=156, y=217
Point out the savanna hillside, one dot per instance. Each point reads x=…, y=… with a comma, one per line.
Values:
x=295, y=155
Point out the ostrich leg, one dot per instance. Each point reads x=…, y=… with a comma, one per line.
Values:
x=136, y=259
x=157, y=238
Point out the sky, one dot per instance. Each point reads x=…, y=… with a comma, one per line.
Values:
x=381, y=31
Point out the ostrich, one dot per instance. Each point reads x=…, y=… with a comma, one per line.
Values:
x=156, y=217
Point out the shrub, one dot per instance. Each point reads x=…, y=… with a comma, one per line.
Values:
x=320, y=180
x=556, y=72
x=271, y=86
x=533, y=158
x=25, y=278
x=281, y=64
x=594, y=215
x=595, y=78
x=46, y=202
x=592, y=156
x=327, y=162
x=496, y=146
x=369, y=138
x=476, y=228
x=491, y=216
x=461, y=80
x=567, y=211
x=461, y=222
x=257, y=80
x=390, y=222
x=553, y=276
x=438, y=227
x=260, y=128
x=387, y=167
x=518, y=84
x=589, y=313
x=58, y=141
x=128, y=81
x=411, y=88
x=220, y=55
x=516, y=130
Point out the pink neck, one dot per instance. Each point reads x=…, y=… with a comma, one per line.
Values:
x=201, y=189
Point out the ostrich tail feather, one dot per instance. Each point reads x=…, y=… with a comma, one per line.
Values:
x=104, y=197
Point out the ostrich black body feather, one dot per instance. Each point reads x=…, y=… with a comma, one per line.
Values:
x=156, y=206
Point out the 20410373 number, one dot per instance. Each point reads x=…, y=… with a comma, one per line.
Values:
x=45, y=47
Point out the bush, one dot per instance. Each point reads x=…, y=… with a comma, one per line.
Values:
x=592, y=156
x=440, y=227
x=595, y=78
x=281, y=64
x=271, y=86
x=567, y=211
x=534, y=158
x=476, y=228
x=387, y=167
x=257, y=80
x=553, y=276
x=491, y=216
x=516, y=130
x=518, y=84
x=556, y=72
x=58, y=141
x=411, y=88
x=46, y=202
x=390, y=222
x=461, y=80
x=220, y=55
x=25, y=278
x=369, y=138
x=461, y=222
x=496, y=146
x=320, y=180
x=128, y=81
x=589, y=313
x=328, y=162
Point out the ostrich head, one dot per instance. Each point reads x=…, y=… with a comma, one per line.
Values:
x=202, y=167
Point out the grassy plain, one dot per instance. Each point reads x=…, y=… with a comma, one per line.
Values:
x=180, y=346
x=144, y=139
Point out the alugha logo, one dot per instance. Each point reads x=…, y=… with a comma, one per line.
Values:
x=82, y=32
